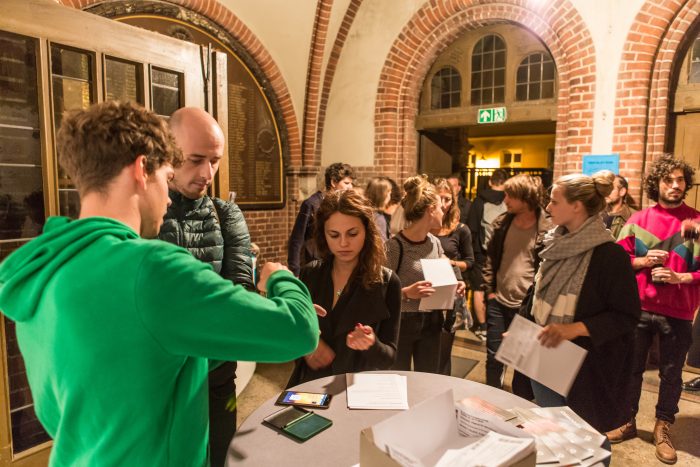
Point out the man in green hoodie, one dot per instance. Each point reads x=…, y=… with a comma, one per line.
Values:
x=116, y=331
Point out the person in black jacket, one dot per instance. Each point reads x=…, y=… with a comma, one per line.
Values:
x=362, y=298
x=586, y=292
x=486, y=207
x=215, y=232
x=301, y=249
x=456, y=241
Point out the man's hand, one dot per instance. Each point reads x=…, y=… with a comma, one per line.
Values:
x=461, y=287
x=267, y=270
x=656, y=258
x=552, y=334
x=418, y=290
x=669, y=276
x=321, y=357
x=360, y=338
x=320, y=311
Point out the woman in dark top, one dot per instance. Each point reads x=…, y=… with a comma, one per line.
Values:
x=378, y=192
x=363, y=298
x=585, y=291
x=456, y=241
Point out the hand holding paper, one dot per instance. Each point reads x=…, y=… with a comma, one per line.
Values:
x=419, y=290
x=442, y=277
x=556, y=368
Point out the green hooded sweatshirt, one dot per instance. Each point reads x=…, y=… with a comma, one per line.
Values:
x=116, y=333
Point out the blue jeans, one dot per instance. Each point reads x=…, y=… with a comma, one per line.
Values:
x=545, y=397
x=498, y=318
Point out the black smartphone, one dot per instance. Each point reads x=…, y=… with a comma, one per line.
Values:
x=297, y=422
x=304, y=399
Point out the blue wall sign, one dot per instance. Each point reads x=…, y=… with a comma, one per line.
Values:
x=593, y=163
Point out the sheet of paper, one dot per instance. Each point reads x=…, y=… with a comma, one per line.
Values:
x=555, y=367
x=480, y=404
x=377, y=391
x=474, y=423
x=442, y=277
x=417, y=433
x=492, y=450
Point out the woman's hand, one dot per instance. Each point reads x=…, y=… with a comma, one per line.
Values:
x=461, y=287
x=418, y=290
x=360, y=338
x=552, y=334
x=322, y=357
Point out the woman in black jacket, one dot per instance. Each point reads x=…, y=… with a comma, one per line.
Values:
x=362, y=298
x=456, y=241
x=585, y=292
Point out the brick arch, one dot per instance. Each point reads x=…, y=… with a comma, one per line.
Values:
x=231, y=23
x=644, y=82
x=436, y=25
x=331, y=66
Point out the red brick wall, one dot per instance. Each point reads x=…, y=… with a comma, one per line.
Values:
x=437, y=24
x=644, y=83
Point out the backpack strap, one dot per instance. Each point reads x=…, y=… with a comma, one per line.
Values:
x=398, y=265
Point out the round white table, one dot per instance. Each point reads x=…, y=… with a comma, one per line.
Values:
x=259, y=445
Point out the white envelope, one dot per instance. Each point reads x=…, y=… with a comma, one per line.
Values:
x=439, y=273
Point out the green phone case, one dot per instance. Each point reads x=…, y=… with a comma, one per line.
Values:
x=298, y=423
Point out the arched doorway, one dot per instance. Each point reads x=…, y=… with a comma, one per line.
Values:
x=436, y=25
x=489, y=101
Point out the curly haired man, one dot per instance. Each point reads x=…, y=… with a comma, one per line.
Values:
x=666, y=267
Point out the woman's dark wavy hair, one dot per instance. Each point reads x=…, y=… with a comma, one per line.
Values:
x=663, y=167
x=369, y=267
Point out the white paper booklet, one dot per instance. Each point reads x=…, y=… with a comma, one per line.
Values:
x=442, y=277
x=492, y=450
x=378, y=391
x=555, y=367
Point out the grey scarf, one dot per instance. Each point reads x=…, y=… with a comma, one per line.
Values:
x=565, y=259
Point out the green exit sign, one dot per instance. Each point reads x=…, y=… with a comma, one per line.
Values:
x=495, y=115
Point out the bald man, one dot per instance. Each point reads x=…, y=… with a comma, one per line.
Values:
x=215, y=232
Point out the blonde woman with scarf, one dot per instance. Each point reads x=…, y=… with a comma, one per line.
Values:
x=585, y=292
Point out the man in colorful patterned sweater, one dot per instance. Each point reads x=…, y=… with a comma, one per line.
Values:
x=666, y=266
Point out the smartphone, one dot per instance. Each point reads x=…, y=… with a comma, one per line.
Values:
x=304, y=399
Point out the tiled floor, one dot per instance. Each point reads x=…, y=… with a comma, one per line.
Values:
x=269, y=380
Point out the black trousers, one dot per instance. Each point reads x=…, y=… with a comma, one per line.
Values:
x=694, y=351
x=222, y=422
x=419, y=340
x=674, y=342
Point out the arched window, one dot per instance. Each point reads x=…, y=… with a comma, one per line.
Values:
x=694, y=65
x=535, y=78
x=446, y=88
x=488, y=71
